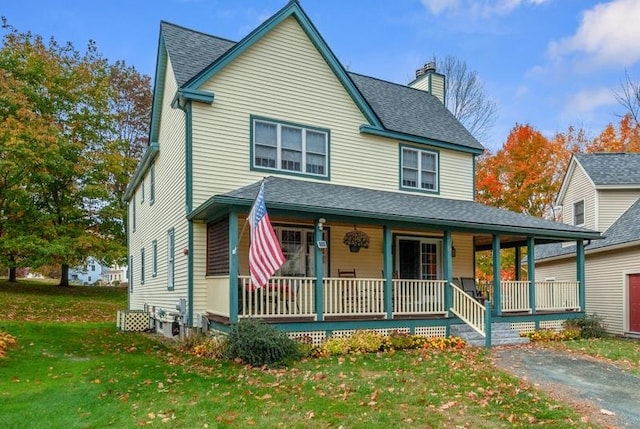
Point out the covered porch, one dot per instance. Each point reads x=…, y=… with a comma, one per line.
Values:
x=408, y=277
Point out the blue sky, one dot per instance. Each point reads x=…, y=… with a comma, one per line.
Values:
x=549, y=63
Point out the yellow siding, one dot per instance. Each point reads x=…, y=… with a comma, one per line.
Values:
x=285, y=61
x=463, y=262
x=612, y=204
x=580, y=188
x=167, y=211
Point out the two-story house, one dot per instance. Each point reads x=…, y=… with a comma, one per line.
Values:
x=89, y=273
x=336, y=151
x=601, y=191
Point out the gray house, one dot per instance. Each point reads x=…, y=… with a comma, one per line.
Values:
x=601, y=191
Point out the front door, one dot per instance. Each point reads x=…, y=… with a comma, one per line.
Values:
x=634, y=302
x=418, y=258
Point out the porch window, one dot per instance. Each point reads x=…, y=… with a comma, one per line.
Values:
x=288, y=147
x=419, y=169
x=298, y=248
x=578, y=213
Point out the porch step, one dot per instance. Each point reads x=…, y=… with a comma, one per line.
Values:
x=501, y=335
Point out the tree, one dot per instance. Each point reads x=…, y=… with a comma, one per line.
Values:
x=624, y=139
x=466, y=98
x=628, y=96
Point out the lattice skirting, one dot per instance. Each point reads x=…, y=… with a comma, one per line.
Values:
x=133, y=320
x=556, y=325
x=316, y=337
x=523, y=327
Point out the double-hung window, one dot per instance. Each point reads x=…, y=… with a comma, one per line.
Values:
x=287, y=147
x=419, y=169
x=578, y=213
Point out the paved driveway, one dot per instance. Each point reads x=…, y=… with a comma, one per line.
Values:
x=610, y=387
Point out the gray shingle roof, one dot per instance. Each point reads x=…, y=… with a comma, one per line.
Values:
x=625, y=230
x=191, y=51
x=325, y=198
x=611, y=168
x=400, y=108
x=412, y=111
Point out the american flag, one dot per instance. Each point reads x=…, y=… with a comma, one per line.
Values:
x=265, y=254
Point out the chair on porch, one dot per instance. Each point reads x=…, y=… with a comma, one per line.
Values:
x=347, y=273
x=350, y=298
x=468, y=284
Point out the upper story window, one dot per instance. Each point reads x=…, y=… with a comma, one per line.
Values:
x=152, y=184
x=288, y=147
x=578, y=213
x=419, y=169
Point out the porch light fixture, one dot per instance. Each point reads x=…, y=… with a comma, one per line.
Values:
x=453, y=251
x=321, y=223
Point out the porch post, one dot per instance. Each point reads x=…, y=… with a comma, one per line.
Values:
x=387, y=242
x=497, y=299
x=233, y=266
x=531, y=272
x=518, y=267
x=580, y=273
x=319, y=271
x=447, y=267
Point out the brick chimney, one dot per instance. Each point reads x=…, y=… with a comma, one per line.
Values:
x=427, y=79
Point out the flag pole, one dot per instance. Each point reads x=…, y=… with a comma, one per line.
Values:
x=246, y=221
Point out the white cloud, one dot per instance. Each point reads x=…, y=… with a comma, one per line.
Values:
x=608, y=35
x=521, y=91
x=587, y=101
x=483, y=8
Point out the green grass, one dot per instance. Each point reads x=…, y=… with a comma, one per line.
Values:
x=621, y=350
x=85, y=374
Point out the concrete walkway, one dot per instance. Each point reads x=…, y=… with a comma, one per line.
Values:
x=608, y=386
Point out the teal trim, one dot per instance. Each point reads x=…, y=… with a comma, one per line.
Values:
x=435, y=152
x=190, y=257
x=580, y=273
x=171, y=259
x=292, y=9
x=130, y=269
x=233, y=266
x=158, y=89
x=447, y=268
x=497, y=298
x=473, y=178
x=319, y=271
x=381, y=132
x=387, y=246
x=188, y=109
x=185, y=95
x=147, y=159
x=252, y=167
x=487, y=323
x=142, y=266
x=531, y=272
x=335, y=325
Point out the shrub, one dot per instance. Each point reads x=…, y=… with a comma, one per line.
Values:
x=256, y=343
x=591, y=326
x=6, y=341
x=547, y=335
x=202, y=345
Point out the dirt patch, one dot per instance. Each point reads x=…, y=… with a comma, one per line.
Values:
x=603, y=393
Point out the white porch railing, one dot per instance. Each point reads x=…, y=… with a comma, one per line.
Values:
x=468, y=310
x=353, y=297
x=418, y=296
x=281, y=297
x=557, y=296
x=515, y=296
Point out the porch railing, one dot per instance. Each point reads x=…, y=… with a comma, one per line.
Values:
x=353, y=297
x=468, y=310
x=418, y=296
x=280, y=297
x=557, y=296
x=515, y=296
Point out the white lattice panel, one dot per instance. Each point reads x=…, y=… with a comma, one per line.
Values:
x=311, y=337
x=523, y=327
x=342, y=333
x=431, y=331
x=556, y=325
x=132, y=320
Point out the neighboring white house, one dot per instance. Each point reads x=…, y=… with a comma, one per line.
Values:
x=93, y=271
x=601, y=191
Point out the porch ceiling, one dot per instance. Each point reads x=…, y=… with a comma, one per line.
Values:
x=315, y=199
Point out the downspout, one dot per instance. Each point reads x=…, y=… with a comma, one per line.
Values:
x=319, y=272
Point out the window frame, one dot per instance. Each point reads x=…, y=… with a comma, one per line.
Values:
x=420, y=152
x=152, y=184
x=133, y=213
x=154, y=263
x=304, y=152
x=575, y=204
x=171, y=258
x=142, y=266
